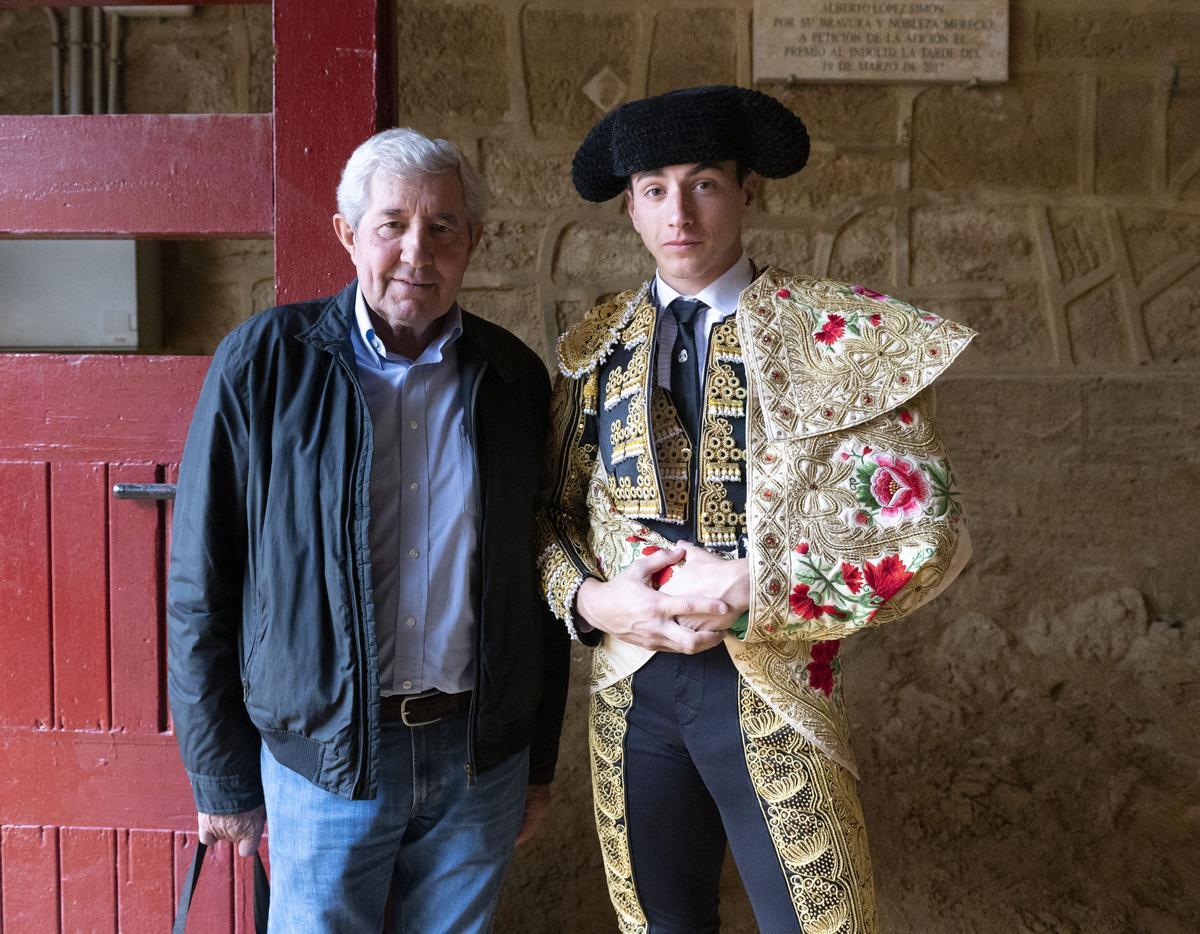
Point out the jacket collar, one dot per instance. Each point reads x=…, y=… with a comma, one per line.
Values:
x=331, y=333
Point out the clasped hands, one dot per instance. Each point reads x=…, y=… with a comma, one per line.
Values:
x=693, y=609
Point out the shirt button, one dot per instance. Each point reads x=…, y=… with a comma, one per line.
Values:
x=413, y=424
x=414, y=553
x=414, y=487
x=406, y=685
x=410, y=622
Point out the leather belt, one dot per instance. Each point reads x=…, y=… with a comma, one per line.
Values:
x=422, y=709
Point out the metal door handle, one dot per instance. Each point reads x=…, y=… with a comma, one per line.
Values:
x=144, y=490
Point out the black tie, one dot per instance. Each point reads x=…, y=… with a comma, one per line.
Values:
x=685, y=368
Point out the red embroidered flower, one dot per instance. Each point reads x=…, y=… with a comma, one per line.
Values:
x=802, y=548
x=784, y=293
x=634, y=538
x=862, y=517
x=832, y=331
x=852, y=577
x=899, y=487
x=887, y=577
x=869, y=293
x=905, y=416
x=875, y=320
x=805, y=606
x=820, y=669
x=868, y=450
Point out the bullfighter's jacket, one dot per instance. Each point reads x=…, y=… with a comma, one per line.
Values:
x=818, y=459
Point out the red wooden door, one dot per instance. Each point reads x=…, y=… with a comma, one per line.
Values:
x=96, y=818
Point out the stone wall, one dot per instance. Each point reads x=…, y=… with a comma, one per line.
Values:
x=1027, y=743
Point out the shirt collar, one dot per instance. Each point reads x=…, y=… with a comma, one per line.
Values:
x=721, y=295
x=451, y=330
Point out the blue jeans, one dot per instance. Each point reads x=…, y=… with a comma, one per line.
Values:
x=439, y=847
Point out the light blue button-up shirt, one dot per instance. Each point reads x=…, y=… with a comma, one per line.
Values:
x=424, y=526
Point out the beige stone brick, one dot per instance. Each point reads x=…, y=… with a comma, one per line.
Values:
x=564, y=49
x=520, y=176
x=969, y=242
x=1080, y=242
x=1124, y=134
x=590, y=252
x=1171, y=320
x=568, y=313
x=507, y=247
x=854, y=114
x=794, y=250
x=452, y=61
x=517, y=310
x=692, y=47
x=1118, y=35
x=1183, y=123
x=1097, y=326
x=864, y=249
x=211, y=286
x=1155, y=237
x=1013, y=333
x=25, y=50
x=829, y=184
x=1022, y=135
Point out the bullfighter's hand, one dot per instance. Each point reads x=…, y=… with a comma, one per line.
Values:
x=705, y=574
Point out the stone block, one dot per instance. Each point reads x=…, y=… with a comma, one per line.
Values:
x=1097, y=328
x=864, y=248
x=518, y=310
x=564, y=49
x=830, y=184
x=1022, y=136
x=969, y=243
x=985, y=421
x=590, y=252
x=25, y=50
x=521, y=176
x=794, y=250
x=568, y=313
x=452, y=61
x=1080, y=242
x=1013, y=333
x=1171, y=318
x=1124, y=134
x=843, y=114
x=211, y=286
x=691, y=47
x=507, y=248
x=216, y=61
x=1115, y=35
x=1155, y=237
x=1183, y=122
x=1146, y=421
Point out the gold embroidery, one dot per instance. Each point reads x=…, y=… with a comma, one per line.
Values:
x=812, y=812
x=629, y=438
x=607, y=729
x=674, y=452
x=721, y=460
x=586, y=345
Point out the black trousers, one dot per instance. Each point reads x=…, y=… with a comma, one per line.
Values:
x=686, y=757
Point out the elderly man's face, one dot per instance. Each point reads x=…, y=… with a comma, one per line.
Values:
x=411, y=249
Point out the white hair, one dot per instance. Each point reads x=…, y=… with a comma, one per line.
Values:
x=404, y=153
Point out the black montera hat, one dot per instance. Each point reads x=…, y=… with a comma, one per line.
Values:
x=707, y=124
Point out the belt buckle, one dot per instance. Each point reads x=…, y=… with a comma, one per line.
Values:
x=404, y=710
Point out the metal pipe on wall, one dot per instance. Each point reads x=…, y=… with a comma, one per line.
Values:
x=75, y=59
x=55, y=62
x=96, y=49
x=114, y=61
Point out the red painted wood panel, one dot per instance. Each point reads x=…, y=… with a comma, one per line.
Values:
x=213, y=904
x=29, y=879
x=25, y=683
x=331, y=89
x=136, y=615
x=79, y=595
x=87, y=876
x=146, y=880
x=97, y=407
x=80, y=779
x=144, y=175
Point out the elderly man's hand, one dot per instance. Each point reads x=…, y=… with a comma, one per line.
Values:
x=632, y=609
x=537, y=801
x=244, y=829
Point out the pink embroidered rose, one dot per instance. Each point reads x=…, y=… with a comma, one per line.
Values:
x=802, y=548
x=820, y=669
x=888, y=577
x=852, y=577
x=832, y=331
x=899, y=487
x=869, y=293
x=805, y=606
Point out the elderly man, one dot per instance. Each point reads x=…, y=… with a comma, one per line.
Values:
x=744, y=470
x=355, y=635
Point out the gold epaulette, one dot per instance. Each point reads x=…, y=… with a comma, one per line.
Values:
x=828, y=355
x=587, y=344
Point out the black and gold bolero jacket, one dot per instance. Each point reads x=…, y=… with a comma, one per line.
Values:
x=819, y=459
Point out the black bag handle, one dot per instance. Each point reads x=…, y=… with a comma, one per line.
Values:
x=262, y=893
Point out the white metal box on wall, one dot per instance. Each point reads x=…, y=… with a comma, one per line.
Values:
x=80, y=295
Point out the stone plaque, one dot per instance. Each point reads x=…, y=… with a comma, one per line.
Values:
x=881, y=40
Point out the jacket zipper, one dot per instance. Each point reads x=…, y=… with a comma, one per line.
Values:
x=479, y=485
x=360, y=728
